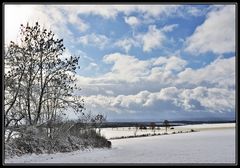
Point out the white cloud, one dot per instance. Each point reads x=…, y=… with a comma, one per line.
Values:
x=79, y=23
x=83, y=55
x=98, y=40
x=132, y=21
x=120, y=70
x=163, y=83
x=126, y=44
x=221, y=73
x=92, y=66
x=106, y=11
x=111, y=11
x=193, y=11
x=148, y=11
x=171, y=63
x=168, y=93
x=151, y=74
x=129, y=75
x=216, y=34
x=169, y=28
x=211, y=99
x=152, y=39
x=169, y=99
x=158, y=10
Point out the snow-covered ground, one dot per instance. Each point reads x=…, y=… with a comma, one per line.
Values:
x=205, y=146
x=127, y=131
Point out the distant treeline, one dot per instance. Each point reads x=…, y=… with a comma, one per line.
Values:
x=159, y=124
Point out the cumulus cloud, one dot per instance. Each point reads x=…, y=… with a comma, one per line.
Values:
x=221, y=73
x=130, y=75
x=169, y=99
x=81, y=25
x=119, y=69
x=210, y=99
x=132, y=21
x=142, y=70
x=171, y=63
x=162, y=85
x=152, y=39
x=216, y=34
x=98, y=40
x=126, y=44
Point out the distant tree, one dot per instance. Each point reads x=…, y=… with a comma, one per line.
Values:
x=136, y=129
x=166, y=124
x=97, y=121
x=153, y=126
x=141, y=127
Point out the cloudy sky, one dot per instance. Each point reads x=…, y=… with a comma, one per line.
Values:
x=145, y=62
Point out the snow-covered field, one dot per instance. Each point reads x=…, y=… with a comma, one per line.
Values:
x=126, y=131
x=209, y=145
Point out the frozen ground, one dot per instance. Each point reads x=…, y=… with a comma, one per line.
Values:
x=126, y=131
x=205, y=146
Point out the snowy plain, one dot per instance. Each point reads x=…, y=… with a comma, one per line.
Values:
x=212, y=143
x=111, y=133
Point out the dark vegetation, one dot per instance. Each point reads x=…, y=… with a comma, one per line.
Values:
x=66, y=137
x=40, y=85
x=155, y=134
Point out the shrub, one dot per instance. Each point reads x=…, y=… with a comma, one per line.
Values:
x=33, y=141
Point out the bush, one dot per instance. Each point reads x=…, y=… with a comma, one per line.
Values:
x=30, y=141
x=33, y=141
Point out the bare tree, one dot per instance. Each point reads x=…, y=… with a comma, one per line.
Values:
x=166, y=124
x=98, y=120
x=153, y=126
x=136, y=129
x=39, y=82
x=40, y=88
